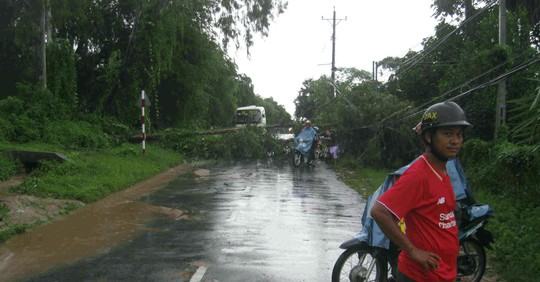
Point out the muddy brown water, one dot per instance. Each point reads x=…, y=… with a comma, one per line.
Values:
x=89, y=231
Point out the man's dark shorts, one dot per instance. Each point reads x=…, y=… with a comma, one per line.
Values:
x=402, y=278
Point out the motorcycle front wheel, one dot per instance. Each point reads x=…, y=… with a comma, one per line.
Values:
x=357, y=264
x=471, y=261
x=297, y=159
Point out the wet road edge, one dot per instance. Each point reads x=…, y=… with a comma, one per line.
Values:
x=32, y=252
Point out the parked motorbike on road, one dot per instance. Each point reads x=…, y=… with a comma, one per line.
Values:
x=370, y=256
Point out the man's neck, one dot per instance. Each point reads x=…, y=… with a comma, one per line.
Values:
x=436, y=162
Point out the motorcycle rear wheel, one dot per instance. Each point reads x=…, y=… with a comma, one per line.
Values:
x=357, y=264
x=471, y=261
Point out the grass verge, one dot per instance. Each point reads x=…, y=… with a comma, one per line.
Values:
x=91, y=175
x=12, y=230
x=362, y=179
x=515, y=227
x=87, y=176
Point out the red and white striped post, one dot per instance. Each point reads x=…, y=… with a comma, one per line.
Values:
x=142, y=123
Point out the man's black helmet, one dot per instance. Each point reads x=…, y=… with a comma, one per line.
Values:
x=443, y=114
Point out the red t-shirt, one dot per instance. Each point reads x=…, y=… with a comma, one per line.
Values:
x=424, y=197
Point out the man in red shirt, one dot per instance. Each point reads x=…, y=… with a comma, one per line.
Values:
x=424, y=198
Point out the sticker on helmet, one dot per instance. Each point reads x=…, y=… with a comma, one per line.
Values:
x=429, y=117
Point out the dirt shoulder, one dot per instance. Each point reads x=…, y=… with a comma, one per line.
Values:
x=89, y=230
x=24, y=211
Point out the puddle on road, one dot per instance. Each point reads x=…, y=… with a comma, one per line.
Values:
x=84, y=234
x=89, y=231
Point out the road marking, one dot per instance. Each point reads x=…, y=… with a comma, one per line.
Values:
x=199, y=274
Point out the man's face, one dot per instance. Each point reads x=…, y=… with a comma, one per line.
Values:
x=448, y=141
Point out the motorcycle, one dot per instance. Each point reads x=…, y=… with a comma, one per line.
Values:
x=303, y=146
x=370, y=256
x=322, y=152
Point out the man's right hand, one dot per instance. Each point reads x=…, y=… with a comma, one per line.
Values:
x=429, y=261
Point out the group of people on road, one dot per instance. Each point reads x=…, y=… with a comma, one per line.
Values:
x=328, y=137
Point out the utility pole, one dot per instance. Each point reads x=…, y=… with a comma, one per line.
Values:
x=44, y=29
x=500, y=118
x=333, y=75
x=334, y=49
x=374, y=75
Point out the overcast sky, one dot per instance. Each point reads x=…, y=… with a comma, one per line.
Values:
x=299, y=44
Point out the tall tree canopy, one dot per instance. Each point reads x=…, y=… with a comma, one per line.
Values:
x=101, y=54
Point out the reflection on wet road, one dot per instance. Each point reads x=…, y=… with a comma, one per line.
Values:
x=249, y=222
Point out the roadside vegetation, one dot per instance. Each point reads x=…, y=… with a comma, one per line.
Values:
x=89, y=176
x=365, y=180
x=506, y=176
x=239, y=144
x=373, y=119
x=8, y=168
x=88, y=104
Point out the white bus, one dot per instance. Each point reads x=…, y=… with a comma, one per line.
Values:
x=250, y=115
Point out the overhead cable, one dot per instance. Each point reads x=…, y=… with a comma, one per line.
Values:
x=411, y=62
x=493, y=81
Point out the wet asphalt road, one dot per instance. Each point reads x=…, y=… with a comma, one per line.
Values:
x=248, y=222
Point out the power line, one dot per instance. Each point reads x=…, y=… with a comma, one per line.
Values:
x=516, y=69
x=490, y=82
x=466, y=83
x=411, y=62
x=447, y=36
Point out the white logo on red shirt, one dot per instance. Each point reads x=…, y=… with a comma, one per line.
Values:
x=447, y=220
x=441, y=201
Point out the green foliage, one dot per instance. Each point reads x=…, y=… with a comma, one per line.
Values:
x=357, y=114
x=275, y=113
x=505, y=176
x=504, y=168
x=476, y=152
x=101, y=55
x=15, y=122
x=246, y=143
x=515, y=227
x=8, y=167
x=363, y=179
x=91, y=176
x=12, y=230
x=6, y=129
x=75, y=134
x=525, y=118
x=465, y=60
x=117, y=132
x=62, y=78
x=4, y=210
x=37, y=122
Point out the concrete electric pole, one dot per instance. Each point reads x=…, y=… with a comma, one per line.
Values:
x=44, y=23
x=500, y=118
x=374, y=74
x=333, y=75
